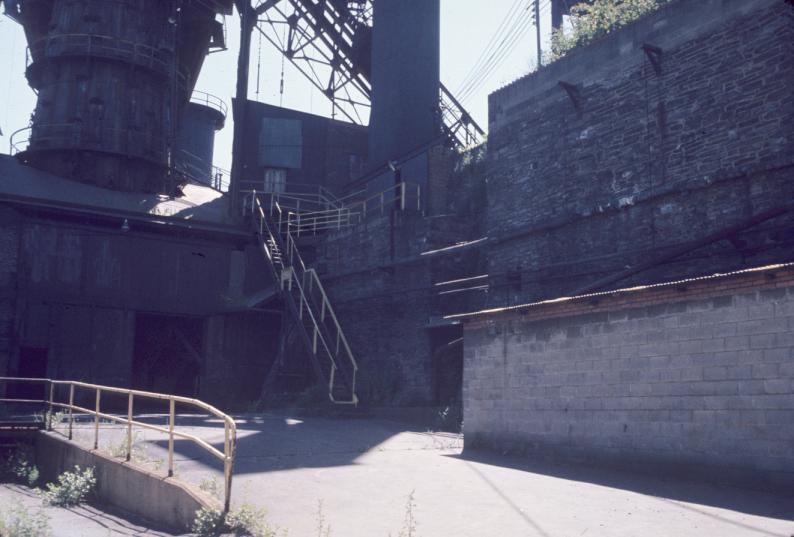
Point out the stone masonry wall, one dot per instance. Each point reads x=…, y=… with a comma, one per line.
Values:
x=638, y=160
x=697, y=376
x=9, y=248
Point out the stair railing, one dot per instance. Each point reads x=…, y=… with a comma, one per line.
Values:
x=305, y=286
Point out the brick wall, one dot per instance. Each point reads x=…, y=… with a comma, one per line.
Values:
x=697, y=375
x=644, y=161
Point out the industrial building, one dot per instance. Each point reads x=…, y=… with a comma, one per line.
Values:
x=607, y=278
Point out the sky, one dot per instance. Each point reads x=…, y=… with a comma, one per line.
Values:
x=467, y=28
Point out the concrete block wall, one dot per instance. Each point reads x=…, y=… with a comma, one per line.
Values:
x=696, y=376
x=640, y=161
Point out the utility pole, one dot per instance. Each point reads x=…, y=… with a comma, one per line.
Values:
x=537, y=32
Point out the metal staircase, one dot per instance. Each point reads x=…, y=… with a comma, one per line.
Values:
x=308, y=303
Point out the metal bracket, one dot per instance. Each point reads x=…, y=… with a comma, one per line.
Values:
x=574, y=93
x=654, y=56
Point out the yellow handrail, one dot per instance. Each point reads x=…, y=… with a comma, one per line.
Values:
x=294, y=271
x=229, y=426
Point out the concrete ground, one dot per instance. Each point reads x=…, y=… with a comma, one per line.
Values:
x=363, y=471
x=80, y=521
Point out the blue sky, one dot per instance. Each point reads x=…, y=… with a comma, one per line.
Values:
x=467, y=27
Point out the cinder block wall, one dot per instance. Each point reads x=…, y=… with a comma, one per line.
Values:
x=698, y=377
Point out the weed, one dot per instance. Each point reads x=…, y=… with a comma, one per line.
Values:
x=19, y=467
x=211, y=486
x=53, y=418
x=409, y=523
x=323, y=529
x=16, y=521
x=118, y=449
x=247, y=520
x=72, y=488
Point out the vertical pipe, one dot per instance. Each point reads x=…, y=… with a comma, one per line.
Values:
x=71, y=406
x=537, y=33
x=402, y=196
x=247, y=25
x=129, y=427
x=96, y=419
x=171, y=437
x=49, y=406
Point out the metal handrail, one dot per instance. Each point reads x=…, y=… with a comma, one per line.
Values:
x=291, y=270
x=95, y=44
x=400, y=195
x=14, y=145
x=80, y=136
x=229, y=425
x=210, y=101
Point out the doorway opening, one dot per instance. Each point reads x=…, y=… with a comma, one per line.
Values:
x=32, y=364
x=168, y=354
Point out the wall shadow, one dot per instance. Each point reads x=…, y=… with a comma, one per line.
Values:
x=656, y=483
x=268, y=443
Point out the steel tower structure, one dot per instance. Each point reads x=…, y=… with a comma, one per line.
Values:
x=330, y=42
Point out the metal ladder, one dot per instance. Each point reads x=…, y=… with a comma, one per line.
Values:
x=308, y=302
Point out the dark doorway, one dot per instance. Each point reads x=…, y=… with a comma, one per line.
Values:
x=448, y=375
x=168, y=352
x=32, y=364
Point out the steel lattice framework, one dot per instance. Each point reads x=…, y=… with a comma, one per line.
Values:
x=330, y=41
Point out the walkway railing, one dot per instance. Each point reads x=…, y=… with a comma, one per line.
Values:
x=306, y=215
x=210, y=101
x=229, y=426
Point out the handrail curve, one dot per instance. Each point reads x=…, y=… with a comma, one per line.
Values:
x=229, y=426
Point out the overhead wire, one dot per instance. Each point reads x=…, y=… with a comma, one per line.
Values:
x=506, y=46
x=497, y=60
x=510, y=15
x=490, y=59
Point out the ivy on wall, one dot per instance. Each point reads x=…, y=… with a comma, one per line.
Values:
x=588, y=21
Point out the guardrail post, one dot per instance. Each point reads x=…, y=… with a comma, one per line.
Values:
x=71, y=409
x=227, y=467
x=129, y=427
x=171, y=437
x=49, y=406
x=96, y=419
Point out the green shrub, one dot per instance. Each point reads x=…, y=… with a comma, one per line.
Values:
x=18, y=466
x=251, y=521
x=72, y=488
x=16, y=521
x=590, y=21
x=247, y=520
x=208, y=522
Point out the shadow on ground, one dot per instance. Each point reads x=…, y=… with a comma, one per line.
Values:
x=663, y=487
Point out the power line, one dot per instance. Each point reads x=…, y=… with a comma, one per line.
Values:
x=497, y=59
x=497, y=55
x=488, y=48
